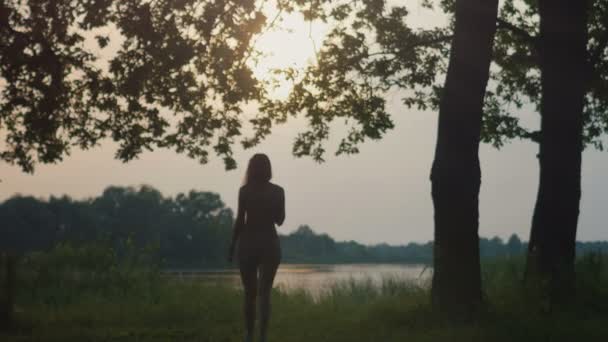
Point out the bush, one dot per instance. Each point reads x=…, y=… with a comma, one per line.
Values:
x=68, y=272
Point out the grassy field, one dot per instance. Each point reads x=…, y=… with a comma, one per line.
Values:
x=77, y=294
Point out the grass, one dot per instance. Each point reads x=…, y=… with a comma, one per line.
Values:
x=59, y=300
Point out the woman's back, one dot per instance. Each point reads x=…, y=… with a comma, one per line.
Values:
x=263, y=205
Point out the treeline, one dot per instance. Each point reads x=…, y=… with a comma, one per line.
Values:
x=191, y=230
x=304, y=245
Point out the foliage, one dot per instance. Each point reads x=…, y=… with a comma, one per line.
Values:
x=179, y=74
x=517, y=77
x=370, y=51
x=179, y=78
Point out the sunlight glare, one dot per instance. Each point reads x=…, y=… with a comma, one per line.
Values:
x=291, y=44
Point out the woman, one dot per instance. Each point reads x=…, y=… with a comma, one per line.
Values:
x=261, y=205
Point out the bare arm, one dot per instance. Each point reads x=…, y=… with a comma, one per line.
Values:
x=239, y=223
x=281, y=209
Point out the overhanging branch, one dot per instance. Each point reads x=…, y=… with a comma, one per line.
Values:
x=518, y=31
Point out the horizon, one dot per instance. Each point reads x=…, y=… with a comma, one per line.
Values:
x=507, y=197
x=516, y=191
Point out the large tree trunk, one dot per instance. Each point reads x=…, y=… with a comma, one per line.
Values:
x=563, y=60
x=456, y=174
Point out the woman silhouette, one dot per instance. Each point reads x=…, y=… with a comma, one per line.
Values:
x=261, y=204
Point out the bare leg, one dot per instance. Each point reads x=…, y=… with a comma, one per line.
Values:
x=249, y=279
x=267, y=273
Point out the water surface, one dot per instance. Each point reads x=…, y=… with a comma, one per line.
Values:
x=317, y=278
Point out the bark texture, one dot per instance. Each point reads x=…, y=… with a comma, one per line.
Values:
x=456, y=174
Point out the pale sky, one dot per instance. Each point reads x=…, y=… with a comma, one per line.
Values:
x=379, y=195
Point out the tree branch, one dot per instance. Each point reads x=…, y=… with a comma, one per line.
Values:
x=518, y=31
x=419, y=43
x=435, y=40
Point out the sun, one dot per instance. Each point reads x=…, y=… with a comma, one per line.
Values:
x=292, y=43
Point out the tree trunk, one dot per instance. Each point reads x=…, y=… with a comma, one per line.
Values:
x=563, y=60
x=456, y=174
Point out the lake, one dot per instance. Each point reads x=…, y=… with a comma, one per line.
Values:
x=318, y=277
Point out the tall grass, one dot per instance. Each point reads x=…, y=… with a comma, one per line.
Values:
x=90, y=294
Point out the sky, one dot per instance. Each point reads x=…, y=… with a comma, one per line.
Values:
x=381, y=195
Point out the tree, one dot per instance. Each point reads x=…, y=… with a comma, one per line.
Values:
x=129, y=213
x=514, y=245
x=27, y=224
x=563, y=71
x=456, y=173
x=182, y=75
x=390, y=61
x=179, y=79
x=563, y=60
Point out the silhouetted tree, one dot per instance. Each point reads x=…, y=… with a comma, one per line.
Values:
x=514, y=245
x=179, y=79
x=563, y=70
x=181, y=75
x=351, y=63
x=27, y=223
x=456, y=173
x=563, y=65
x=491, y=248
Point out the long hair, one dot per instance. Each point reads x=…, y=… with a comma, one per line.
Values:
x=258, y=170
